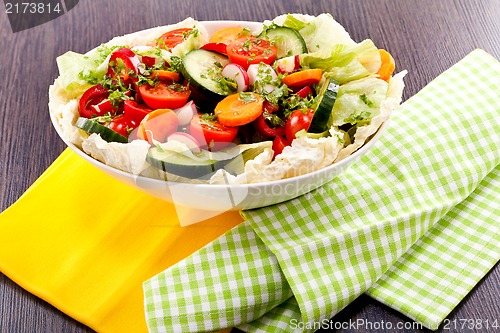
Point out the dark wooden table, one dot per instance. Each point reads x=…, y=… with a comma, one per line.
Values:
x=425, y=37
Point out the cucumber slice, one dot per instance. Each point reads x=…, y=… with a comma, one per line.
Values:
x=181, y=165
x=203, y=70
x=326, y=99
x=288, y=41
x=91, y=126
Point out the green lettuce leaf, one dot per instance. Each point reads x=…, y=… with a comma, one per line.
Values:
x=321, y=32
x=293, y=22
x=345, y=63
x=358, y=101
x=70, y=65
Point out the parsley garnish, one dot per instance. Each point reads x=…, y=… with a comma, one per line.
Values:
x=175, y=63
x=273, y=119
x=365, y=100
x=116, y=97
x=356, y=118
x=246, y=97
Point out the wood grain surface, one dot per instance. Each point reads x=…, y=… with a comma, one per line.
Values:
x=425, y=37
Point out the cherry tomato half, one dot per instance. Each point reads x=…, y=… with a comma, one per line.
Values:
x=164, y=95
x=251, y=50
x=92, y=96
x=120, y=125
x=263, y=128
x=172, y=38
x=299, y=120
x=211, y=134
x=121, y=63
x=279, y=143
x=135, y=112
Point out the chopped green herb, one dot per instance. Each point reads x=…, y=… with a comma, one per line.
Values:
x=365, y=100
x=117, y=97
x=247, y=97
x=356, y=118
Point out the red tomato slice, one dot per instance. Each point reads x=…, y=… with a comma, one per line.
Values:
x=217, y=47
x=92, y=96
x=251, y=50
x=171, y=39
x=164, y=95
x=298, y=121
x=211, y=133
x=135, y=112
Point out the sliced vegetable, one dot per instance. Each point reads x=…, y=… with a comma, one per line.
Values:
x=326, y=101
x=288, y=41
x=262, y=78
x=210, y=133
x=203, y=70
x=303, y=78
x=92, y=126
x=102, y=108
x=288, y=64
x=135, y=112
x=120, y=125
x=239, y=109
x=92, y=96
x=264, y=129
x=172, y=38
x=186, y=113
x=217, y=47
x=299, y=120
x=305, y=92
x=229, y=34
x=157, y=126
x=165, y=75
x=388, y=65
x=164, y=95
x=187, y=139
x=122, y=63
x=238, y=74
x=279, y=143
x=251, y=50
x=181, y=165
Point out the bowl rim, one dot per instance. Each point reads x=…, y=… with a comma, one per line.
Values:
x=358, y=153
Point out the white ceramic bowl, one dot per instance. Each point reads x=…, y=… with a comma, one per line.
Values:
x=219, y=198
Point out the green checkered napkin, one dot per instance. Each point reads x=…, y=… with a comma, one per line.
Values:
x=414, y=223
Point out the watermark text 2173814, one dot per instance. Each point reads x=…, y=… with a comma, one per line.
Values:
x=32, y=8
x=24, y=14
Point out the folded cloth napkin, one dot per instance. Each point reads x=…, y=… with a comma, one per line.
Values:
x=414, y=223
x=85, y=243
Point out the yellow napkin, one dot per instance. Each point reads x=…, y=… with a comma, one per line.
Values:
x=85, y=243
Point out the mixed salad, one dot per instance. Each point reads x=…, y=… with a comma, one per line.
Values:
x=241, y=105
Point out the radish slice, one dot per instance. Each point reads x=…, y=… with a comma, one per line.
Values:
x=186, y=113
x=288, y=64
x=186, y=139
x=237, y=73
x=262, y=76
x=147, y=55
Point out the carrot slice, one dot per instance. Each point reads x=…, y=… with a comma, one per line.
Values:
x=165, y=75
x=157, y=124
x=239, y=109
x=303, y=78
x=228, y=35
x=388, y=65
